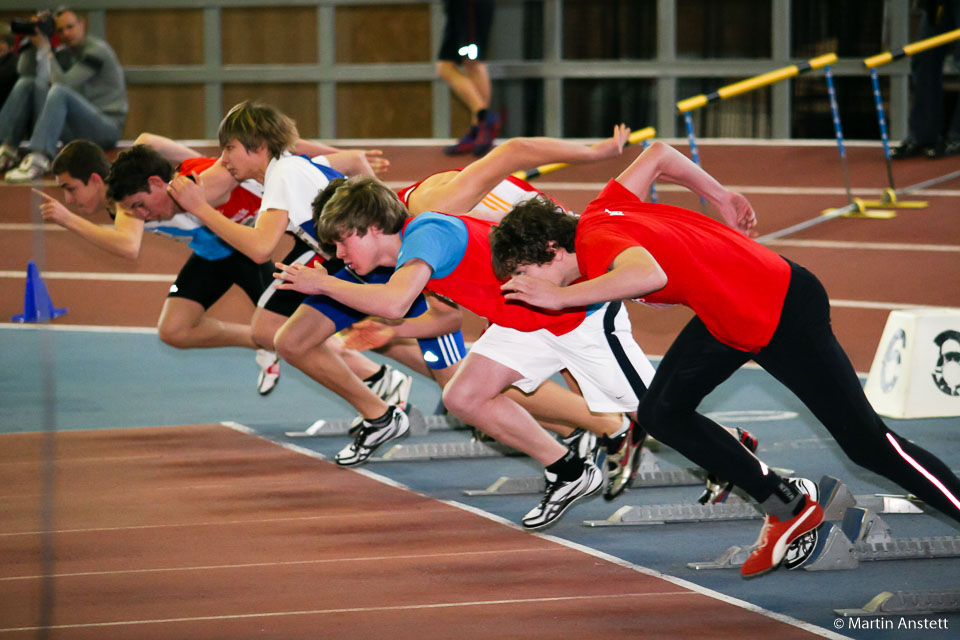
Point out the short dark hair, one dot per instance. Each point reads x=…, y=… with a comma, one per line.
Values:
x=133, y=168
x=357, y=204
x=531, y=234
x=81, y=159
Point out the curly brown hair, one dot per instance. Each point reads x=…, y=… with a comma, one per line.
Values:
x=531, y=234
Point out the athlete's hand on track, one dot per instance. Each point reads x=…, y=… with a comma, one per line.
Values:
x=533, y=291
x=188, y=192
x=300, y=277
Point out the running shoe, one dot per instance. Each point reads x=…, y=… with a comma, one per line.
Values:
x=269, y=371
x=718, y=490
x=560, y=495
x=775, y=537
x=464, y=144
x=370, y=437
x=486, y=133
x=34, y=166
x=583, y=443
x=623, y=460
x=393, y=387
x=801, y=549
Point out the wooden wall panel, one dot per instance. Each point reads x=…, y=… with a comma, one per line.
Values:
x=158, y=37
x=393, y=110
x=391, y=33
x=269, y=35
x=299, y=101
x=175, y=111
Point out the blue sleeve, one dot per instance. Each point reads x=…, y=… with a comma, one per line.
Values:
x=437, y=239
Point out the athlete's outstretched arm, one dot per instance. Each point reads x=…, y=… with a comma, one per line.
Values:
x=461, y=194
x=122, y=239
x=439, y=319
x=660, y=161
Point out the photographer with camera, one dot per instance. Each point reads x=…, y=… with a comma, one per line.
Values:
x=75, y=91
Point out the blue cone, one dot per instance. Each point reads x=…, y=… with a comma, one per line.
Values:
x=37, y=306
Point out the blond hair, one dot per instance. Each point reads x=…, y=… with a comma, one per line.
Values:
x=254, y=123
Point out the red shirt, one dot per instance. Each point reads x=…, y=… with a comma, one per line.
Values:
x=242, y=206
x=473, y=284
x=735, y=285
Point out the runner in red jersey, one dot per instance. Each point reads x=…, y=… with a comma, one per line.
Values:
x=751, y=304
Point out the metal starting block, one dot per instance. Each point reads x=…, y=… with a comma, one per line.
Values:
x=664, y=513
x=863, y=535
x=419, y=425
x=446, y=450
x=909, y=603
x=648, y=475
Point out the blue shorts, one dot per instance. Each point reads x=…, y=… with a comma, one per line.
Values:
x=438, y=353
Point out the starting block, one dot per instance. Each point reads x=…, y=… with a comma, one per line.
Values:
x=863, y=535
x=909, y=603
x=419, y=425
x=446, y=451
x=648, y=475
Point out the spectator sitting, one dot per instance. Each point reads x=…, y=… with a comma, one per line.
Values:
x=76, y=91
x=8, y=65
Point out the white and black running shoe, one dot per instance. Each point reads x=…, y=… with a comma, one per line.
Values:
x=370, y=437
x=393, y=387
x=560, y=495
x=583, y=444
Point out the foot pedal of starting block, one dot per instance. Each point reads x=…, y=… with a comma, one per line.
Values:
x=907, y=603
x=863, y=525
x=730, y=559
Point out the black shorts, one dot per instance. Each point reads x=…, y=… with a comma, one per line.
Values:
x=205, y=281
x=286, y=301
x=468, y=22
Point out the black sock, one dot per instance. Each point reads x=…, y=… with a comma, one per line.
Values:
x=375, y=377
x=481, y=116
x=785, y=502
x=383, y=420
x=567, y=468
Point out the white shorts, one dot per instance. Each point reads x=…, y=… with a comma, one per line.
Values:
x=602, y=355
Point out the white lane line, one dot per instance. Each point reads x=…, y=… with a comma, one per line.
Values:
x=286, y=563
x=877, y=246
x=691, y=586
x=226, y=523
x=95, y=275
x=313, y=612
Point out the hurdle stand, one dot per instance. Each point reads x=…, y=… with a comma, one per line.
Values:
x=891, y=193
x=687, y=106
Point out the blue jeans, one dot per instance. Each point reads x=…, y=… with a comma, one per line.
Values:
x=59, y=113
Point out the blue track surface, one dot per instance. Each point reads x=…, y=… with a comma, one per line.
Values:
x=93, y=380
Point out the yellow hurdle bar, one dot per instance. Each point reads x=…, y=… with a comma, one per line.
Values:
x=912, y=48
x=755, y=82
x=635, y=137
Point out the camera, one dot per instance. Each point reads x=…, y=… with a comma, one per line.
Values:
x=44, y=24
